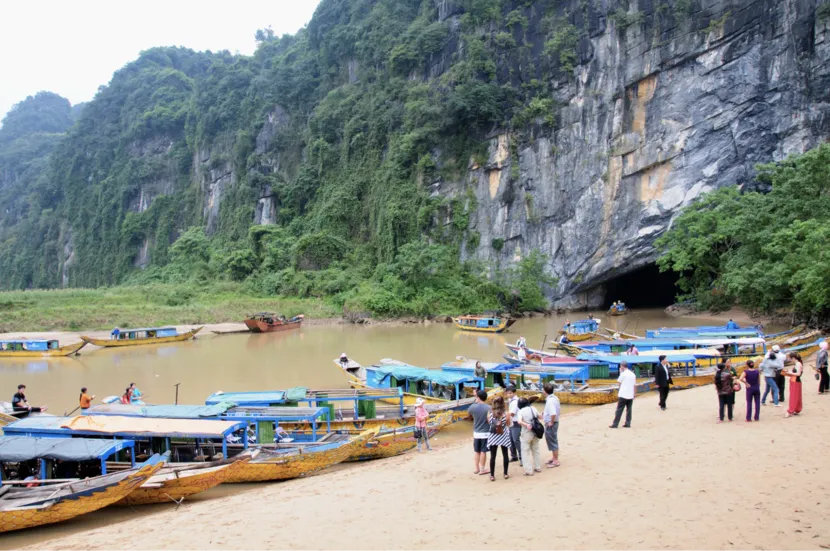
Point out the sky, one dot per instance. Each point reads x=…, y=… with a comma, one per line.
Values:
x=71, y=47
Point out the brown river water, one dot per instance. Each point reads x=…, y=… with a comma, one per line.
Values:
x=239, y=362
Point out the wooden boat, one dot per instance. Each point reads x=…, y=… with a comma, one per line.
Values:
x=37, y=348
x=580, y=330
x=483, y=324
x=617, y=309
x=299, y=461
x=22, y=507
x=265, y=322
x=174, y=483
x=133, y=337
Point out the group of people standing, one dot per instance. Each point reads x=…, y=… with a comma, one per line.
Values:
x=513, y=425
x=131, y=396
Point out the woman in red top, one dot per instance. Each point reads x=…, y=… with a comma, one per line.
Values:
x=127, y=397
x=421, y=416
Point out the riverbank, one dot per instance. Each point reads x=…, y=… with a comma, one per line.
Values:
x=676, y=480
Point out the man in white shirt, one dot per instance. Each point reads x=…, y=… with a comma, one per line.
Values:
x=625, y=396
x=551, y=419
x=515, y=427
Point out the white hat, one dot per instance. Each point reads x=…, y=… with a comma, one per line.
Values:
x=776, y=348
x=343, y=355
x=419, y=402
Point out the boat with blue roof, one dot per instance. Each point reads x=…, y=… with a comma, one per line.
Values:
x=484, y=324
x=145, y=335
x=24, y=348
x=579, y=330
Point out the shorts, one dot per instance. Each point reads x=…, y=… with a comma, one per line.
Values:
x=552, y=437
x=480, y=445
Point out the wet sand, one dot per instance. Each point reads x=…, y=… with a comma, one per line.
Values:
x=677, y=479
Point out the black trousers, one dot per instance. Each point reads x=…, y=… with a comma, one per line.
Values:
x=623, y=404
x=824, y=382
x=780, y=380
x=493, y=450
x=664, y=393
x=728, y=401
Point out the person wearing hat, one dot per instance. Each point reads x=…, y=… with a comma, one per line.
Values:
x=421, y=416
x=344, y=360
x=770, y=365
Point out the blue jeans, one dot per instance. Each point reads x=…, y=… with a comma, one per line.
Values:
x=771, y=384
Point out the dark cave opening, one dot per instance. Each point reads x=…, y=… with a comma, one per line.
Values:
x=645, y=287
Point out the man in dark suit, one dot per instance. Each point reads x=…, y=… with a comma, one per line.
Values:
x=662, y=378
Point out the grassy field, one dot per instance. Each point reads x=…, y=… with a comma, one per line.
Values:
x=137, y=306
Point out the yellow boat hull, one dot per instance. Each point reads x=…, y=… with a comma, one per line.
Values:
x=112, y=343
x=181, y=485
x=396, y=443
x=297, y=465
x=502, y=326
x=71, y=508
x=579, y=337
x=67, y=350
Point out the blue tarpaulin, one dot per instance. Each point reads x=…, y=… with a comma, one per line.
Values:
x=14, y=449
x=420, y=374
x=247, y=398
x=641, y=359
x=172, y=412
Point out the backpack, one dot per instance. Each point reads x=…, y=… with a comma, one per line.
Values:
x=496, y=425
x=535, y=425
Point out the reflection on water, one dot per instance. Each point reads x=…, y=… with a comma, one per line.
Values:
x=246, y=361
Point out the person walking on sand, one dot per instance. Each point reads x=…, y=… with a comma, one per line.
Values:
x=481, y=431
x=662, y=378
x=531, y=454
x=421, y=416
x=515, y=428
x=550, y=416
x=499, y=437
x=85, y=401
x=768, y=366
x=821, y=367
x=751, y=378
x=795, y=383
x=723, y=386
x=625, y=396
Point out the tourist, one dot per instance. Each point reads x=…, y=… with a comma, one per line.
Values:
x=421, y=416
x=732, y=325
x=662, y=378
x=115, y=333
x=135, y=394
x=531, y=454
x=499, y=436
x=768, y=371
x=728, y=363
x=723, y=386
x=780, y=378
x=480, y=371
x=795, y=383
x=85, y=401
x=515, y=428
x=481, y=431
x=126, y=399
x=625, y=396
x=632, y=350
x=821, y=367
x=751, y=378
x=550, y=416
x=20, y=403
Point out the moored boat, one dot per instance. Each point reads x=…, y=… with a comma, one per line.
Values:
x=152, y=335
x=483, y=324
x=580, y=330
x=23, y=348
x=265, y=322
x=618, y=309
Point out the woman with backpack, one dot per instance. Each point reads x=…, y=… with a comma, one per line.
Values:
x=725, y=390
x=499, y=436
x=532, y=432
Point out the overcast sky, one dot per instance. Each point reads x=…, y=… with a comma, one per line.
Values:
x=71, y=47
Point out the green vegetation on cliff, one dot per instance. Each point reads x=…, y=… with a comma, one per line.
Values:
x=762, y=250
x=366, y=106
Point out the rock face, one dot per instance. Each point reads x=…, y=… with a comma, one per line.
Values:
x=654, y=114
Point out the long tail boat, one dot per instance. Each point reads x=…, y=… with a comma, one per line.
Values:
x=37, y=348
x=152, y=335
x=618, y=309
x=483, y=324
x=26, y=507
x=265, y=322
x=580, y=330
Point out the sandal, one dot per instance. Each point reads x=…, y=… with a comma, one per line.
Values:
x=538, y=470
x=506, y=476
x=492, y=478
x=528, y=474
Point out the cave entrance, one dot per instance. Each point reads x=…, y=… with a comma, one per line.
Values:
x=645, y=287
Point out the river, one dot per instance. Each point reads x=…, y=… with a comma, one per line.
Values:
x=243, y=361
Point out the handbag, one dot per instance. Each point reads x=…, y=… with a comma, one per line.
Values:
x=496, y=426
x=419, y=433
x=536, y=426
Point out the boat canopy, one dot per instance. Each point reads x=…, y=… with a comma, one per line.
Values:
x=144, y=329
x=168, y=412
x=582, y=326
x=14, y=449
x=641, y=359
x=125, y=427
x=726, y=342
x=38, y=345
x=420, y=374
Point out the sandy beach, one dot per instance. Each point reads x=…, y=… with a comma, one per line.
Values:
x=676, y=480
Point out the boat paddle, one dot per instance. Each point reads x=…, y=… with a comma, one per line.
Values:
x=71, y=412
